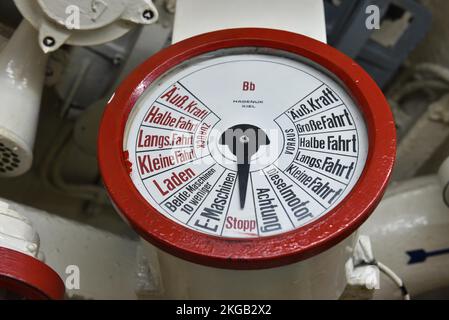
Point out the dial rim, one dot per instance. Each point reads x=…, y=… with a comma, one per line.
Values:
x=252, y=253
x=210, y=159
x=29, y=277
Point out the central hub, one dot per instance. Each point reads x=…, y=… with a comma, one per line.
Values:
x=244, y=141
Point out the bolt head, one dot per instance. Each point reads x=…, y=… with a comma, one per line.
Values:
x=49, y=41
x=148, y=14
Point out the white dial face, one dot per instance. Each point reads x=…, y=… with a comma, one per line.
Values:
x=245, y=145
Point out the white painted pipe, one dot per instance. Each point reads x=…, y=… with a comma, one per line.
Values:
x=409, y=234
x=22, y=73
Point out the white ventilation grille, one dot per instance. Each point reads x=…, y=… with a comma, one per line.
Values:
x=14, y=159
x=9, y=160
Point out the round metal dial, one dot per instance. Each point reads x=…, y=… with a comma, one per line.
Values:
x=245, y=143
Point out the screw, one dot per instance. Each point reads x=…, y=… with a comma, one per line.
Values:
x=32, y=247
x=49, y=41
x=148, y=14
x=117, y=60
x=244, y=139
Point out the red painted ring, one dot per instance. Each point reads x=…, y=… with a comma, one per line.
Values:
x=259, y=253
x=28, y=277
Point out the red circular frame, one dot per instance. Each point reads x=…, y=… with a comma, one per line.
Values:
x=258, y=253
x=29, y=277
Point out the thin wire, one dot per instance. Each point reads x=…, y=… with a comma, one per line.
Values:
x=396, y=279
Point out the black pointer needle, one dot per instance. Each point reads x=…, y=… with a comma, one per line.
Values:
x=243, y=175
x=246, y=138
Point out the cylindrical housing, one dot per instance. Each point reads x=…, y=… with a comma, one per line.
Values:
x=320, y=277
x=22, y=73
